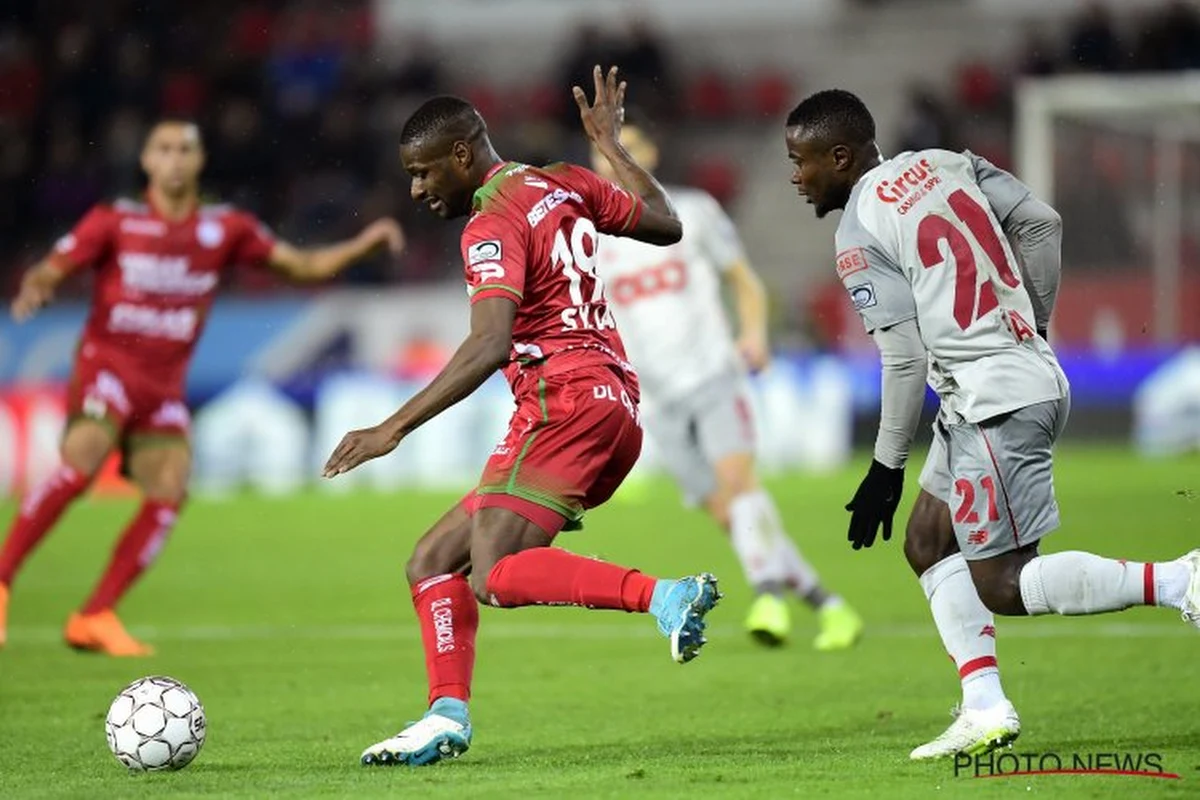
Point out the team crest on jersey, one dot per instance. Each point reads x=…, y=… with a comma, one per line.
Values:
x=863, y=295
x=210, y=233
x=489, y=250
x=851, y=261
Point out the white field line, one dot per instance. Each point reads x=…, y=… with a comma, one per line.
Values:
x=592, y=631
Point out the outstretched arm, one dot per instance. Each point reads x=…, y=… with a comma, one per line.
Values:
x=484, y=351
x=37, y=289
x=322, y=263
x=658, y=224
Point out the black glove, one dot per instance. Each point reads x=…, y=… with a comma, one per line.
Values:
x=875, y=502
x=1044, y=333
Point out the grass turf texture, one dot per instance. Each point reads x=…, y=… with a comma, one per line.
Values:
x=291, y=620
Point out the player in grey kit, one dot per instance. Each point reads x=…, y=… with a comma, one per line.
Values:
x=921, y=249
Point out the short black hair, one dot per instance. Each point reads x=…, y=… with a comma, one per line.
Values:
x=443, y=115
x=836, y=115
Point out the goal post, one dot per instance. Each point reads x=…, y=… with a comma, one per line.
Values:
x=1127, y=149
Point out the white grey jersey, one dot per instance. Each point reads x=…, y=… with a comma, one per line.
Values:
x=921, y=240
x=667, y=301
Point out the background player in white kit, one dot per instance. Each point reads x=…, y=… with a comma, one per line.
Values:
x=668, y=305
x=921, y=249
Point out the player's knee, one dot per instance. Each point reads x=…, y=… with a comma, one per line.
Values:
x=717, y=505
x=921, y=549
x=735, y=475
x=998, y=581
x=478, y=580
x=1001, y=597
x=929, y=535
x=167, y=480
x=85, y=448
x=419, y=566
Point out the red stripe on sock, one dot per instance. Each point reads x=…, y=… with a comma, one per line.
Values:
x=1148, y=584
x=976, y=664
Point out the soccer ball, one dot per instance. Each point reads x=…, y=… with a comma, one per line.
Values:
x=155, y=723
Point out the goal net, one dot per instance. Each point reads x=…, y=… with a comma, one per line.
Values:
x=1119, y=157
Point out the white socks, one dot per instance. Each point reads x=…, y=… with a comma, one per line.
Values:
x=967, y=629
x=767, y=554
x=1081, y=583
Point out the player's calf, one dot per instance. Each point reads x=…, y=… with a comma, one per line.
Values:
x=1076, y=583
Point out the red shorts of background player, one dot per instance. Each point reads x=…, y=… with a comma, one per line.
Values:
x=572, y=440
x=137, y=405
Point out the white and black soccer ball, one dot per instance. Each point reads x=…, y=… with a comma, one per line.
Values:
x=155, y=723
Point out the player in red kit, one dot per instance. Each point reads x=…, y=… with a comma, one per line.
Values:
x=157, y=263
x=538, y=311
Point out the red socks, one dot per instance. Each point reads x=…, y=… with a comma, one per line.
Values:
x=550, y=576
x=449, y=617
x=40, y=509
x=136, y=550
x=449, y=614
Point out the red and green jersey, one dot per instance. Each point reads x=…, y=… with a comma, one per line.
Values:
x=533, y=240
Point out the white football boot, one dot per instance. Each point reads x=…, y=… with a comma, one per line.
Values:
x=973, y=732
x=426, y=741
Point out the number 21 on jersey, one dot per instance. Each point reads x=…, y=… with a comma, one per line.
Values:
x=576, y=258
x=972, y=299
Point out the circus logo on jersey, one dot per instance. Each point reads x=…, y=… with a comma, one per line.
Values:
x=909, y=186
x=154, y=274
x=210, y=233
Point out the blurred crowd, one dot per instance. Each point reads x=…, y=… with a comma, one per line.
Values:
x=301, y=118
x=1094, y=165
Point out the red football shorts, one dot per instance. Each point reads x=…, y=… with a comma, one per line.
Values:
x=572, y=440
x=105, y=387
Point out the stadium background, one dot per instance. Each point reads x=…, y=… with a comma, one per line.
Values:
x=300, y=104
x=288, y=614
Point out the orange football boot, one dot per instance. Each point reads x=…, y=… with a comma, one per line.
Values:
x=3, y=615
x=103, y=633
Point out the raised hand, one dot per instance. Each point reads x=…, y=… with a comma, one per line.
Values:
x=602, y=118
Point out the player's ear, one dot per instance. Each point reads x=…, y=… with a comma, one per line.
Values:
x=842, y=156
x=463, y=154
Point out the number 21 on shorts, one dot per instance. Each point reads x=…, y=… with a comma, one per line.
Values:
x=966, y=513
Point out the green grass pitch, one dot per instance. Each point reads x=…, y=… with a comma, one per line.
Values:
x=291, y=620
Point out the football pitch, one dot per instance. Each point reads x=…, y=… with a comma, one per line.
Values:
x=291, y=620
